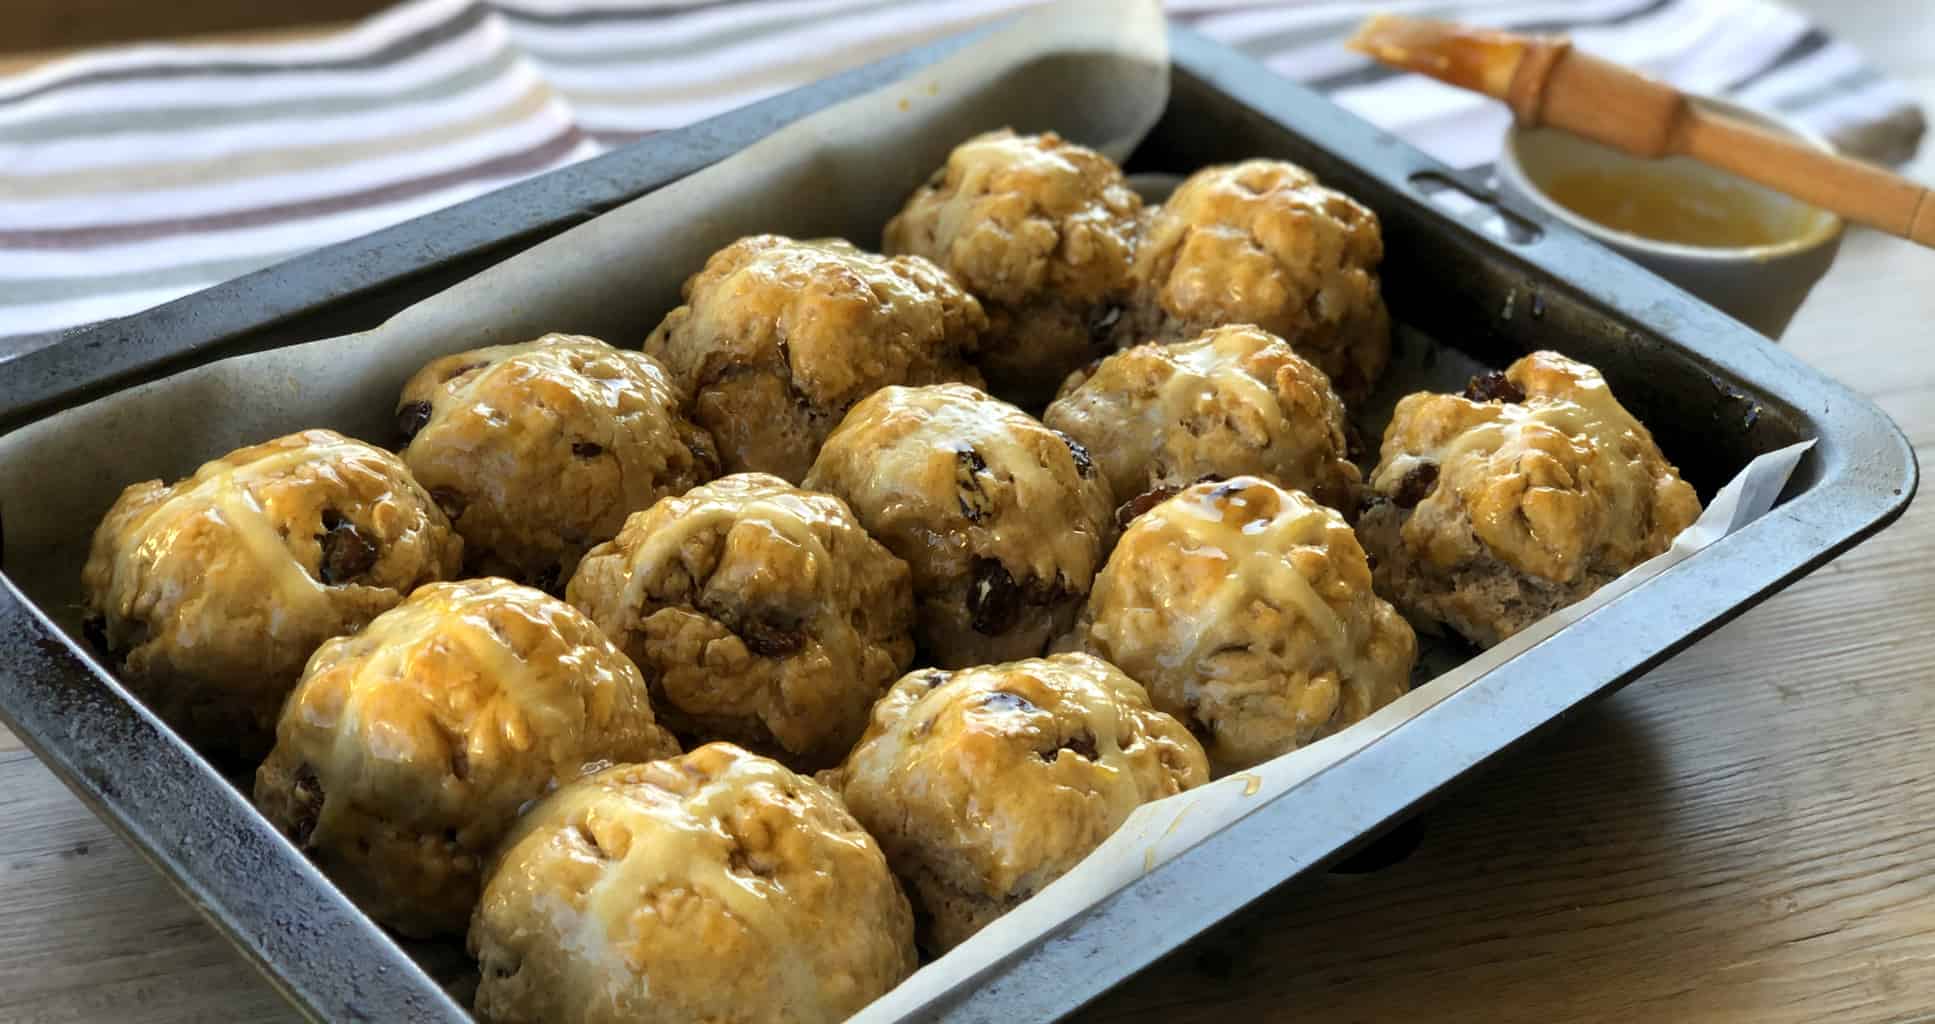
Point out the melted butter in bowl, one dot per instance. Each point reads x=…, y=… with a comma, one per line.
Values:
x=1686, y=209
x=1747, y=250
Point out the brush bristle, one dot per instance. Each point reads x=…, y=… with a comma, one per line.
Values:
x=1470, y=58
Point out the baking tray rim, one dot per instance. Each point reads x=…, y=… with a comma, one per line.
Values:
x=1867, y=476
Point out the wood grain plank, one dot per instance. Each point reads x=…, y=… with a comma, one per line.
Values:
x=90, y=933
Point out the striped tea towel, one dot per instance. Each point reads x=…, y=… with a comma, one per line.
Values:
x=135, y=175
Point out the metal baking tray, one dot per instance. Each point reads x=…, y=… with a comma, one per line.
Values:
x=1493, y=282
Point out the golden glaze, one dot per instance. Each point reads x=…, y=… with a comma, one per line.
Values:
x=1042, y=231
x=759, y=613
x=905, y=460
x=541, y=450
x=422, y=736
x=1234, y=400
x=1565, y=487
x=211, y=588
x=777, y=339
x=1247, y=609
x=717, y=886
x=1261, y=242
x=986, y=784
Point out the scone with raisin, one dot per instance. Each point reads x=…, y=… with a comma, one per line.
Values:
x=1235, y=400
x=760, y=614
x=1491, y=509
x=717, y=886
x=1261, y=242
x=407, y=750
x=1043, y=232
x=777, y=339
x=213, y=591
x=1247, y=611
x=540, y=450
x=1003, y=521
x=986, y=784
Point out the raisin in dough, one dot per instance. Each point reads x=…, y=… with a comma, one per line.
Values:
x=1492, y=509
x=1234, y=400
x=777, y=339
x=213, y=591
x=1003, y=521
x=1261, y=242
x=407, y=750
x=1043, y=232
x=717, y=886
x=1247, y=611
x=760, y=613
x=539, y=451
x=986, y=784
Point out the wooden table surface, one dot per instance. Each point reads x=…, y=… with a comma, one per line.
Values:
x=1740, y=836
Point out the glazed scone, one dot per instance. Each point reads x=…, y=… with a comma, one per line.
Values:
x=1003, y=521
x=1491, y=509
x=1261, y=242
x=760, y=614
x=986, y=784
x=1247, y=611
x=717, y=886
x=777, y=339
x=540, y=450
x=407, y=750
x=213, y=591
x=1043, y=232
x=1235, y=400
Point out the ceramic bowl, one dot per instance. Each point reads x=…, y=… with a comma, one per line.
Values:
x=1760, y=284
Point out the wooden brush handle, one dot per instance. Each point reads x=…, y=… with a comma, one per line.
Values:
x=1860, y=192
x=1621, y=108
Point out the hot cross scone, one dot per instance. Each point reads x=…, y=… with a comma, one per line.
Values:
x=778, y=338
x=986, y=784
x=717, y=886
x=213, y=591
x=1528, y=492
x=1042, y=231
x=1261, y=242
x=1247, y=611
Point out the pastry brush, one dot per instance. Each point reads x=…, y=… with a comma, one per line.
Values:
x=1547, y=82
